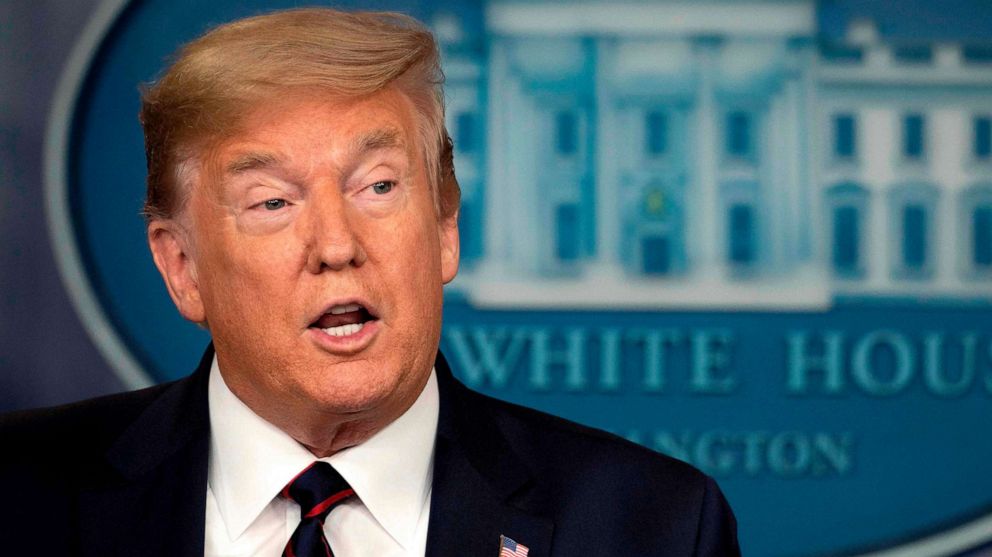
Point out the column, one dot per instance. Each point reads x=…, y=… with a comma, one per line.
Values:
x=705, y=222
x=607, y=176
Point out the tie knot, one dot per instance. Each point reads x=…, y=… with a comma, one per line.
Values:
x=317, y=489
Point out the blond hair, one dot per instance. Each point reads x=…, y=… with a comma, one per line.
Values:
x=216, y=78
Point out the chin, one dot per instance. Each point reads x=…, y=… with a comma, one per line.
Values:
x=355, y=393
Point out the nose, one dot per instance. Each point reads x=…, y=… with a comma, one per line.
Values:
x=333, y=243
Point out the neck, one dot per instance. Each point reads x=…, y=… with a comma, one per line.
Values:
x=322, y=431
x=325, y=441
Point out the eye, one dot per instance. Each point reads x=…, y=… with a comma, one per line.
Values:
x=274, y=204
x=384, y=187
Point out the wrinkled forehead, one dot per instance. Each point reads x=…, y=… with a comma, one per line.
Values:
x=295, y=121
x=299, y=117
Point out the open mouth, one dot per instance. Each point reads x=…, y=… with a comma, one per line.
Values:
x=343, y=320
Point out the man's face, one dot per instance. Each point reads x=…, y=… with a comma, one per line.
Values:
x=316, y=258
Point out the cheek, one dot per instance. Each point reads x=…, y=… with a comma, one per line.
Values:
x=423, y=271
x=424, y=259
x=258, y=257
x=247, y=275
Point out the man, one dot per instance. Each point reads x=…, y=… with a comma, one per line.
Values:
x=302, y=207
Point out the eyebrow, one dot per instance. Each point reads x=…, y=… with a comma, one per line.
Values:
x=251, y=161
x=383, y=138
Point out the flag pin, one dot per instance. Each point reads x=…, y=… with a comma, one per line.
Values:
x=510, y=548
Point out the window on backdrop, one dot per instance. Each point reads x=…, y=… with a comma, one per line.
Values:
x=913, y=136
x=845, y=137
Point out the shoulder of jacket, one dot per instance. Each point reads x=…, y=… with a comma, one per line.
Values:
x=73, y=429
x=560, y=445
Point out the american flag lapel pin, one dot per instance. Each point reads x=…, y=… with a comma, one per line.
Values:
x=510, y=548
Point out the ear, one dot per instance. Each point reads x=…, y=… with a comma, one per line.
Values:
x=170, y=250
x=447, y=229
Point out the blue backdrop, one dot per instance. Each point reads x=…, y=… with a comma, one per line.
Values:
x=755, y=236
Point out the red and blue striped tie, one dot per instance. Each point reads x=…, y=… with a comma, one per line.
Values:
x=317, y=489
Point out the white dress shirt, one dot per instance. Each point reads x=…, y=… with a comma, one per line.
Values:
x=251, y=460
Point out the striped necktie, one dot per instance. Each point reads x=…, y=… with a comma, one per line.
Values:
x=317, y=489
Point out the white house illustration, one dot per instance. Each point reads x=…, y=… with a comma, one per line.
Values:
x=714, y=155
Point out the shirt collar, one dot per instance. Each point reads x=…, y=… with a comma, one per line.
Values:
x=251, y=460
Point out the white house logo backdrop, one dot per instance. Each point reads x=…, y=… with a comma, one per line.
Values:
x=756, y=236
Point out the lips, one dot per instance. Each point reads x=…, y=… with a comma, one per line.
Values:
x=343, y=319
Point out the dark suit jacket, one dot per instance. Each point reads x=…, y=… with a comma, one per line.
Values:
x=126, y=475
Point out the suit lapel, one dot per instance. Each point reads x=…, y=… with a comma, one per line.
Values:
x=479, y=485
x=151, y=500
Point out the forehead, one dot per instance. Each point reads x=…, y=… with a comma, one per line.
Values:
x=314, y=121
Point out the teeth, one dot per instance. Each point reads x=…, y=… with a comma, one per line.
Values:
x=344, y=330
x=338, y=310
